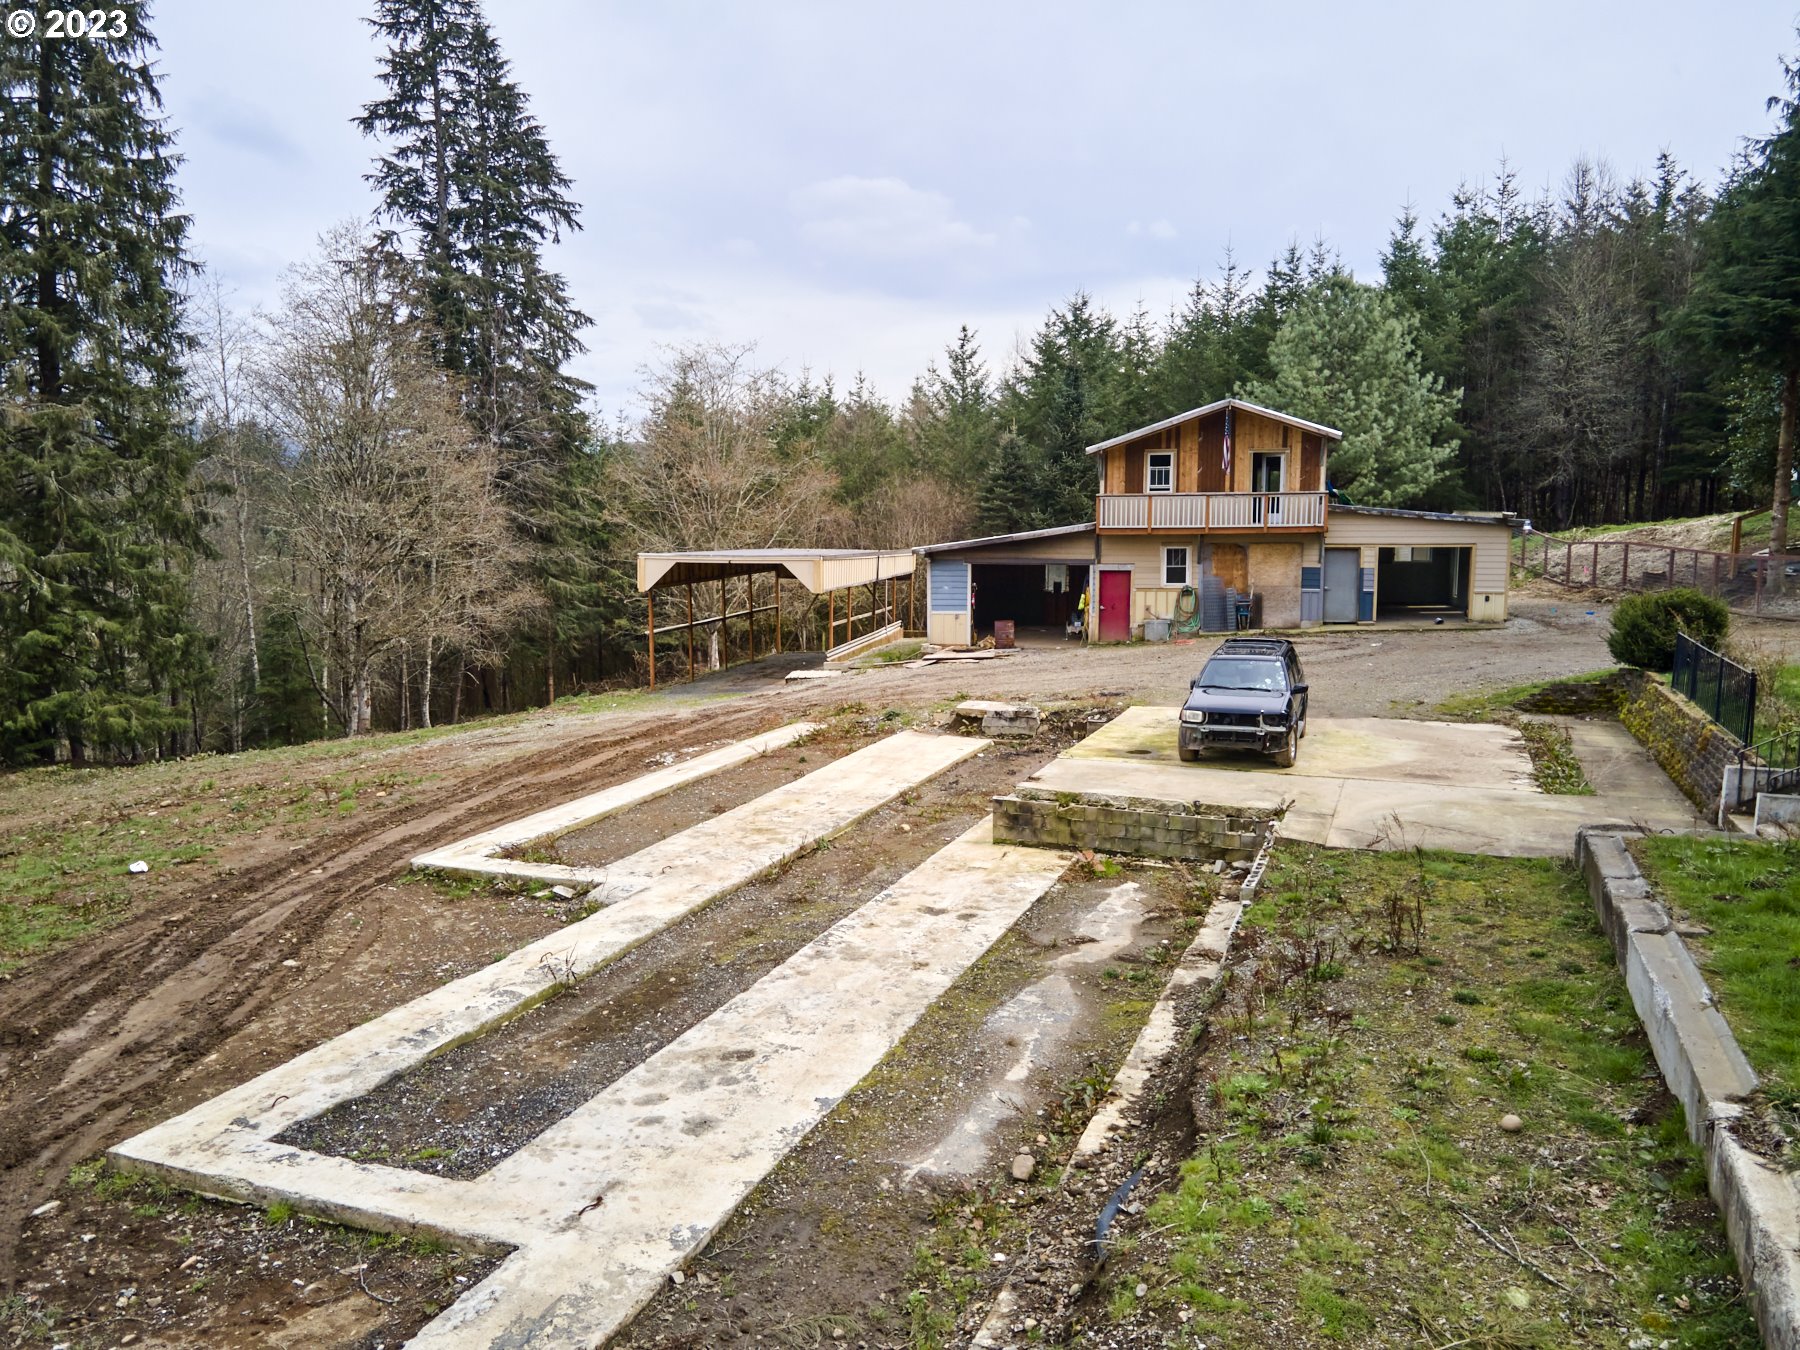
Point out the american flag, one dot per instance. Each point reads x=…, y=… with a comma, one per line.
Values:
x=1226, y=464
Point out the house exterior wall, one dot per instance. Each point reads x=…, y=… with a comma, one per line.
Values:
x=1250, y=562
x=1198, y=446
x=1488, y=544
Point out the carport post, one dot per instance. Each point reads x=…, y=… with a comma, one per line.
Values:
x=830, y=620
x=750, y=611
x=690, y=632
x=650, y=638
x=777, y=576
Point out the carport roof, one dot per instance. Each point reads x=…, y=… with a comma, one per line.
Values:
x=1051, y=533
x=817, y=569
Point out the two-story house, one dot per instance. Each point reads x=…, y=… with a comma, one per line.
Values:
x=1241, y=493
x=1230, y=491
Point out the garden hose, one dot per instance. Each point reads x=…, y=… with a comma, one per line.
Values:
x=1187, y=612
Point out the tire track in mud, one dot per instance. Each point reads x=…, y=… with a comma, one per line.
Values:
x=87, y=1036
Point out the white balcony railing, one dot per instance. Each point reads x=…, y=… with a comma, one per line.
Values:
x=1211, y=511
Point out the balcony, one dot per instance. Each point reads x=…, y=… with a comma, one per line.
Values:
x=1194, y=512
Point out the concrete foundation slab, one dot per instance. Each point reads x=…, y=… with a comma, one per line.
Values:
x=604, y=1205
x=1348, y=810
x=1470, y=754
x=224, y=1146
x=480, y=853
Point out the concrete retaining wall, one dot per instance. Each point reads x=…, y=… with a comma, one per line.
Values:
x=1704, y=1068
x=1125, y=825
x=1693, y=749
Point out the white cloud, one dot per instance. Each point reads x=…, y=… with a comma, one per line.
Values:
x=1159, y=228
x=883, y=218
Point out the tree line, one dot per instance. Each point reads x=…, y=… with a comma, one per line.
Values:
x=385, y=501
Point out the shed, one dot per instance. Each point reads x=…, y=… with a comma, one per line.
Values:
x=1034, y=578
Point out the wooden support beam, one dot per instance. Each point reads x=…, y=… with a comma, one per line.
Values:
x=750, y=611
x=650, y=639
x=690, y=632
x=777, y=577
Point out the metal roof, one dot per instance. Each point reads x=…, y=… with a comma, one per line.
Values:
x=1050, y=533
x=1505, y=518
x=817, y=569
x=1318, y=429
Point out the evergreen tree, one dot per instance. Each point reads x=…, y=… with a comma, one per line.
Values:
x=1746, y=303
x=97, y=514
x=469, y=172
x=1345, y=357
x=1009, y=499
x=953, y=418
x=1210, y=349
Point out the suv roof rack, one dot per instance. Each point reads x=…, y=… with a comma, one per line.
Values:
x=1254, y=646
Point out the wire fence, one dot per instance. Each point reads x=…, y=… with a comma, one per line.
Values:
x=1750, y=583
x=1724, y=690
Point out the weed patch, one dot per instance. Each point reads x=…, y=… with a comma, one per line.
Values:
x=1352, y=1183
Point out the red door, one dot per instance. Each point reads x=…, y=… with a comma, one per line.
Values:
x=1115, y=606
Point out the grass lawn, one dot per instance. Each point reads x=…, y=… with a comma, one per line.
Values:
x=1351, y=1182
x=1748, y=893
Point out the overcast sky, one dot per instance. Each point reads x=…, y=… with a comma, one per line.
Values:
x=846, y=183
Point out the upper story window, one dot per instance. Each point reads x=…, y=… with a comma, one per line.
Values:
x=1160, y=472
x=1266, y=472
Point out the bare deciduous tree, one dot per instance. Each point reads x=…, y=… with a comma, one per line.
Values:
x=704, y=471
x=389, y=517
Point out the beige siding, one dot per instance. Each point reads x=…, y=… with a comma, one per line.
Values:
x=1150, y=598
x=1489, y=545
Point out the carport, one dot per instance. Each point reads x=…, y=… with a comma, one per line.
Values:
x=863, y=590
x=1034, y=579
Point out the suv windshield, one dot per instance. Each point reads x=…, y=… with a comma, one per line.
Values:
x=1239, y=673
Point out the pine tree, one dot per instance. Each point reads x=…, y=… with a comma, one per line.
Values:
x=469, y=172
x=954, y=417
x=1746, y=303
x=97, y=511
x=1009, y=498
x=1343, y=356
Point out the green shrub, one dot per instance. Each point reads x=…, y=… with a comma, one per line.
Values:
x=1644, y=626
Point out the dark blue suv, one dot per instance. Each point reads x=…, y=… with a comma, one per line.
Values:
x=1251, y=695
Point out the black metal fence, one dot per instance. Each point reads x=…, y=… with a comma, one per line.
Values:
x=1773, y=766
x=1725, y=691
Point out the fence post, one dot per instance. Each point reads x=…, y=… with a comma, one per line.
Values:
x=1624, y=564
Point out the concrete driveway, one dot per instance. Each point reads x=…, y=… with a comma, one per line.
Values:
x=1366, y=782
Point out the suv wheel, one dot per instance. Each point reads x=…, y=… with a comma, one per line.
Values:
x=1290, y=749
x=1187, y=756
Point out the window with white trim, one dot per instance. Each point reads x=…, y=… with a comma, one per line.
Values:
x=1175, y=566
x=1160, y=475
